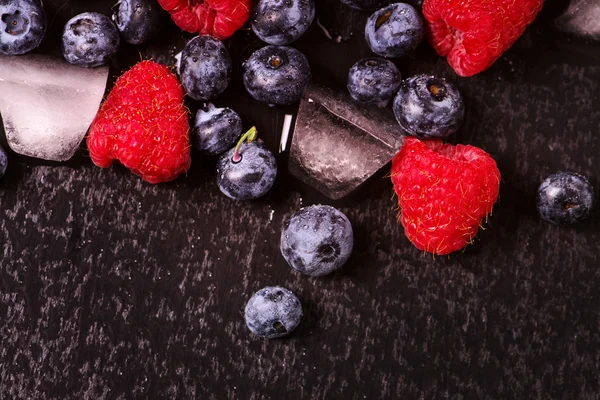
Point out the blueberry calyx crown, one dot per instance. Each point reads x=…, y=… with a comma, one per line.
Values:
x=250, y=137
x=275, y=61
x=15, y=23
x=437, y=89
x=382, y=19
x=278, y=326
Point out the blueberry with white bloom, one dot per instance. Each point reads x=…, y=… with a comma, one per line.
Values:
x=317, y=240
x=373, y=80
x=90, y=40
x=247, y=171
x=276, y=75
x=429, y=107
x=22, y=26
x=565, y=198
x=216, y=129
x=395, y=30
x=282, y=22
x=273, y=312
x=205, y=68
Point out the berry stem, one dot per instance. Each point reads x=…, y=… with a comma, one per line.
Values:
x=249, y=136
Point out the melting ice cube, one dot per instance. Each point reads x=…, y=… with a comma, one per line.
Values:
x=582, y=18
x=47, y=105
x=338, y=144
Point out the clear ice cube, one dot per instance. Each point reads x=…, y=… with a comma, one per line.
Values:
x=47, y=104
x=338, y=144
x=582, y=18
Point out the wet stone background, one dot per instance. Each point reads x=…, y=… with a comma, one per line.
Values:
x=111, y=288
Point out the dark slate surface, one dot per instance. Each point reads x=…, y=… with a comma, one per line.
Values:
x=111, y=288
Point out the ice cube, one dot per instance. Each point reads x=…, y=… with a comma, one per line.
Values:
x=47, y=104
x=338, y=144
x=582, y=19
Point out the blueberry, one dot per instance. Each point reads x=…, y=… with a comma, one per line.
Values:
x=205, y=68
x=395, y=30
x=565, y=198
x=137, y=20
x=216, y=130
x=276, y=75
x=22, y=26
x=273, y=312
x=317, y=240
x=282, y=21
x=429, y=107
x=90, y=40
x=373, y=81
x=247, y=171
x=365, y=4
x=3, y=162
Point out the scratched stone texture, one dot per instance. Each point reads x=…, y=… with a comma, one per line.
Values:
x=111, y=288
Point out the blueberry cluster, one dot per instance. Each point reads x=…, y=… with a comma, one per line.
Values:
x=92, y=39
x=89, y=39
x=319, y=239
x=425, y=106
x=315, y=241
x=277, y=74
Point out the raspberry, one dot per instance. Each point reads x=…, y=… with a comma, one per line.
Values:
x=219, y=18
x=473, y=34
x=143, y=123
x=444, y=193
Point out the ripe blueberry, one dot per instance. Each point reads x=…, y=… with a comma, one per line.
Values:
x=276, y=75
x=429, y=107
x=216, y=129
x=373, y=81
x=317, y=240
x=22, y=26
x=205, y=68
x=137, y=20
x=282, y=22
x=565, y=198
x=395, y=30
x=90, y=40
x=273, y=312
x=247, y=171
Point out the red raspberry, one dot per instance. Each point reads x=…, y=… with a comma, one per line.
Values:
x=473, y=34
x=143, y=123
x=444, y=193
x=219, y=18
